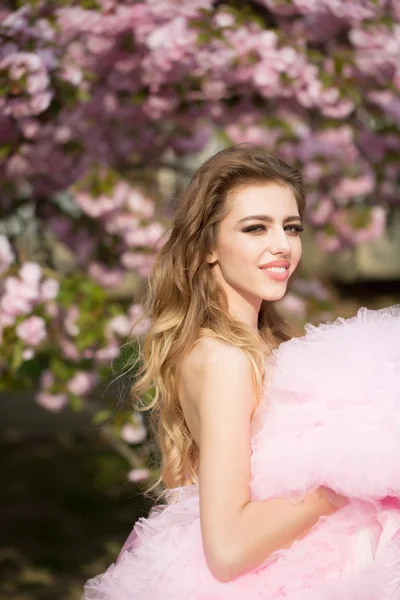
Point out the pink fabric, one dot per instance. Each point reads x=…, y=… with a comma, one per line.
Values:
x=330, y=415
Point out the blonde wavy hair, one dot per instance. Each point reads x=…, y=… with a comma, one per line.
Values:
x=183, y=301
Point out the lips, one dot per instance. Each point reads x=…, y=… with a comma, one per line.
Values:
x=276, y=263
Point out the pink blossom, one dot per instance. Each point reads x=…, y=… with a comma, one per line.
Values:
x=139, y=324
x=350, y=187
x=25, y=290
x=329, y=243
x=110, y=103
x=340, y=109
x=164, y=97
x=94, y=207
x=376, y=227
x=137, y=475
x=387, y=100
x=6, y=254
x=311, y=287
x=72, y=74
x=140, y=204
x=171, y=34
x=120, y=325
x=69, y=349
x=28, y=354
x=70, y=321
x=108, y=277
x=98, y=44
x=158, y=107
x=20, y=63
x=134, y=260
x=145, y=236
x=49, y=289
x=52, y=402
x=254, y=134
x=27, y=72
x=63, y=134
x=102, y=204
x=82, y=383
x=137, y=418
x=214, y=90
x=17, y=20
x=32, y=331
x=6, y=320
x=133, y=435
x=104, y=355
x=294, y=304
x=322, y=212
x=121, y=222
x=331, y=143
x=17, y=166
x=31, y=273
x=37, y=82
x=142, y=263
x=312, y=171
x=224, y=19
x=46, y=380
x=52, y=309
x=13, y=306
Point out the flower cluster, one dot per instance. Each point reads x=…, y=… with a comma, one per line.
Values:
x=117, y=230
x=308, y=300
x=20, y=296
x=127, y=84
x=69, y=327
x=100, y=105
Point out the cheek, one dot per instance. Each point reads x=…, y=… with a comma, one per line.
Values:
x=239, y=251
x=237, y=261
x=296, y=251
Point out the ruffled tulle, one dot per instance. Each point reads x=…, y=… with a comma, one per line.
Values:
x=331, y=411
x=351, y=555
x=330, y=415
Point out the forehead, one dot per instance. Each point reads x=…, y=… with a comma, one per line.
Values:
x=273, y=199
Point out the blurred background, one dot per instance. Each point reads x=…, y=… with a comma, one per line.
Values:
x=106, y=108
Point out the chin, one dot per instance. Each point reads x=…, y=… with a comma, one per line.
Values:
x=275, y=295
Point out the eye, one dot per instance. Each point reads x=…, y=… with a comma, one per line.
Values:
x=251, y=228
x=294, y=228
x=258, y=228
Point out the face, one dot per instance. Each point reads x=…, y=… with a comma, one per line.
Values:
x=262, y=226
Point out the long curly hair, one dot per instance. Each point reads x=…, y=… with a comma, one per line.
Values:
x=183, y=301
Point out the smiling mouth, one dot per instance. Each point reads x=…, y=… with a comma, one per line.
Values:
x=277, y=273
x=276, y=269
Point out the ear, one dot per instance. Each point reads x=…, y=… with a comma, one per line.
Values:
x=212, y=257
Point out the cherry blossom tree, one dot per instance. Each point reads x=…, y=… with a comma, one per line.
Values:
x=100, y=100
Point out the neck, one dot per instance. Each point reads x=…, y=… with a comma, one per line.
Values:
x=245, y=308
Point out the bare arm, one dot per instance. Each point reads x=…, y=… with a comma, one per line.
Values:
x=238, y=534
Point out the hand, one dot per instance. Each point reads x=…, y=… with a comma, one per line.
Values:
x=326, y=500
x=321, y=502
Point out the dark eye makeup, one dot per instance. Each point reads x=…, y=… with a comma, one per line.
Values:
x=291, y=228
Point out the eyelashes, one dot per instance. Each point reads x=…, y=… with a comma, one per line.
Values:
x=255, y=228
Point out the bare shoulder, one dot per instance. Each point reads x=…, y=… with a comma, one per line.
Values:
x=210, y=377
x=211, y=356
x=211, y=364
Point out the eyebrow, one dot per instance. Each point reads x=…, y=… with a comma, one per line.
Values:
x=269, y=219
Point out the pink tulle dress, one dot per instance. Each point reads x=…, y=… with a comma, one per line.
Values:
x=330, y=415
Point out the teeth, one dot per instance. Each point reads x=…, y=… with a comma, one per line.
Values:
x=276, y=269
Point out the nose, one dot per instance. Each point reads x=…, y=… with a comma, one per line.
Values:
x=279, y=242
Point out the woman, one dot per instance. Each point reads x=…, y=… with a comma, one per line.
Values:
x=212, y=355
